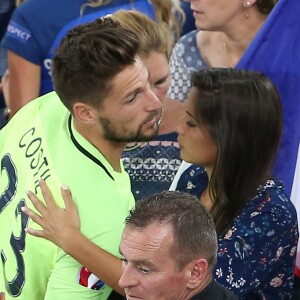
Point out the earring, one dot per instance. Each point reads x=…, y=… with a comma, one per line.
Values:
x=247, y=3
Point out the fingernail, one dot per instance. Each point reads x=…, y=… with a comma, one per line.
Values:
x=64, y=187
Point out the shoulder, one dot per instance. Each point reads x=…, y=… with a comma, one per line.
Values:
x=40, y=9
x=186, y=52
x=215, y=291
x=271, y=197
x=194, y=171
x=36, y=118
x=188, y=42
x=270, y=212
x=193, y=180
x=34, y=19
x=223, y=292
x=188, y=38
x=22, y=18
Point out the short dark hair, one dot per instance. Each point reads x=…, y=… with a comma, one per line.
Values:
x=89, y=57
x=242, y=112
x=193, y=228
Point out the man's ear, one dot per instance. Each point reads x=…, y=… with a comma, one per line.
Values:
x=84, y=112
x=198, y=273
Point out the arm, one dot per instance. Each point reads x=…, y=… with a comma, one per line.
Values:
x=4, y=87
x=24, y=82
x=54, y=218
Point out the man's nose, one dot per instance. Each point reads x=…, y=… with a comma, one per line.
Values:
x=153, y=101
x=128, y=279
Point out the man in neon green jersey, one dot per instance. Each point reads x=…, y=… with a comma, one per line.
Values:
x=75, y=136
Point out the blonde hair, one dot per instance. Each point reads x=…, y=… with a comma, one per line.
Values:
x=93, y=3
x=167, y=13
x=170, y=13
x=18, y=2
x=151, y=35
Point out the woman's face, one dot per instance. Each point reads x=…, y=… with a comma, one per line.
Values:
x=195, y=142
x=217, y=14
x=159, y=70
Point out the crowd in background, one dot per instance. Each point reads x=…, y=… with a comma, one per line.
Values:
x=193, y=50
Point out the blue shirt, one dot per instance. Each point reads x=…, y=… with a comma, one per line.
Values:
x=256, y=257
x=37, y=26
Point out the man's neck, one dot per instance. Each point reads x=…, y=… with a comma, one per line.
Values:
x=204, y=284
x=112, y=151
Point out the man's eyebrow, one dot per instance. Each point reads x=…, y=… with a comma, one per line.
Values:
x=145, y=262
x=137, y=90
x=163, y=77
x=133, y=92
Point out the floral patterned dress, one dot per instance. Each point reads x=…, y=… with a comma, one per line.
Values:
x=256, y=257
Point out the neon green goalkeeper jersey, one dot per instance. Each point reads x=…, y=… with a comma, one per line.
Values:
x=41, y=141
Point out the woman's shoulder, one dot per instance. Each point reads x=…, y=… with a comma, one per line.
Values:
x=194, y=171
x=193, y=180
x=42, y=8
x=273, y=191
x=271, y=200
x=187, y=43
x=188, y=38
x=40, y=17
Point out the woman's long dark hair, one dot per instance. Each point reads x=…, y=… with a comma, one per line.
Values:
x=265, y=6
x=242, y=111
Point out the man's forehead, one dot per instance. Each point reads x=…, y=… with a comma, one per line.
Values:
x=151, y=239
x=130, y=78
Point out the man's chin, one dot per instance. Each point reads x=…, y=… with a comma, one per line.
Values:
x=133, y=297
x=148, y=137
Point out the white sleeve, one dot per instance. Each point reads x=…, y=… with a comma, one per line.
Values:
x=184, y=165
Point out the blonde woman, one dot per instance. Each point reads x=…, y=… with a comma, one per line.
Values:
x=153, y=164
x=224, y=31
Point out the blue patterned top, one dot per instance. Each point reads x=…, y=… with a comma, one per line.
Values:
x=256, y=257
x=185, y=58
x=152, y=165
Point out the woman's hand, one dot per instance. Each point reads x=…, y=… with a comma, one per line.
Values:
x=58, y=224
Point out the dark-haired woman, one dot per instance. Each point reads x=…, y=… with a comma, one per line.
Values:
x=230, y=134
